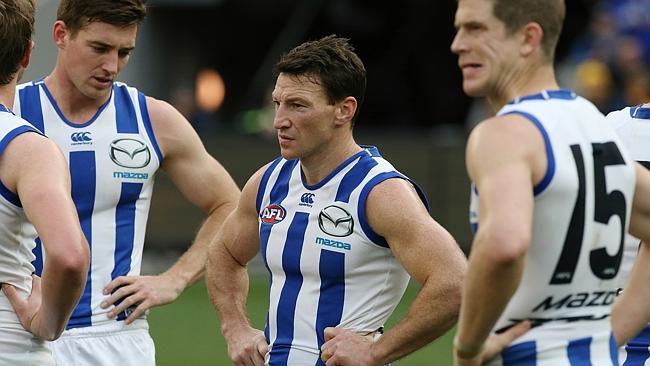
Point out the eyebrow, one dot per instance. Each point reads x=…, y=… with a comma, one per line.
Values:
x=106, y=45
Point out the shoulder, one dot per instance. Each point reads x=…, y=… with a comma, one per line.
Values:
x=618, y=118
x=504, y=131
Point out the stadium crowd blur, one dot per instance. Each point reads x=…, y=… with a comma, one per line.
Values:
x=414, y=83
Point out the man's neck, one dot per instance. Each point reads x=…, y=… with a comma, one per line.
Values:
x=527, y=82
x=75, y=106
x=318, y=166
x=8, y=93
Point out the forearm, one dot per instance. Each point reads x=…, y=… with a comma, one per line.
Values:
x=190, y=267
x=488, y=288
x=431, y=314
x=630, y=312
x=62, y=287
x=227, y=282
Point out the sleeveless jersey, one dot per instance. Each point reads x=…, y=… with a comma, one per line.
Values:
x=113, y=158
x=327, y=266
x=581, y=214
x=632, y=124
x=17, y=346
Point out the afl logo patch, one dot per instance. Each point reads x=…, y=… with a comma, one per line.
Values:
x=130, y=153
x=272, y=214
x=335, y=221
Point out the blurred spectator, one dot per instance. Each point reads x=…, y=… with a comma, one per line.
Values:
x=611, y=61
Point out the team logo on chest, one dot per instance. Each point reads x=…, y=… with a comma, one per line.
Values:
x=272, y=214
x=335, y=221
x=307, y=199
x=129, y=153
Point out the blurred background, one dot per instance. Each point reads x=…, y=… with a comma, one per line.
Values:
x=213, y=60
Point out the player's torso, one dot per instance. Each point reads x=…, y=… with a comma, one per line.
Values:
x=327, y=266
x=113, y=158
x=581, y=214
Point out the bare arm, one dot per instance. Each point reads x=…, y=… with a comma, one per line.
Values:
x=227, y=278
x=497, y=162
x=205, y=183
x=430, y=255
x=30, y=160
x=630, y=312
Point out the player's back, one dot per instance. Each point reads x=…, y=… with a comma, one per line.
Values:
x=632, y=125
x=17, y=346
x=581, y=213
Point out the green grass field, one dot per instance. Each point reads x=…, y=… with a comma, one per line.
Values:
x=187, y=331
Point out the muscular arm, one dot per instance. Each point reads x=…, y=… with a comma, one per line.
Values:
x=432, y=258
x=630, y=312
x=430, y=255
x=227, y=278
x=30, y=160
x=498, y=162
x=205, y=183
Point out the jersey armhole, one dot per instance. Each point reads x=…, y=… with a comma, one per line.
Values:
x=550, y=157
x=361, y=209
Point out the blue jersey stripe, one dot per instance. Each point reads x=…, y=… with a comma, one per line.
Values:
x=30, y=106
x=127, y=122
x=521, y=354
x=278, y=194
x=38, y=261
x=83, y=175
x=637, y=348
x=579, y=353
x=142, y=100
x=613, y=349
x=550, y=157
x=334, y=172
x=289, y=294
x=353, y=178
x=125, y=231
x=332, y=293
x=361, y=209
x=263, y=182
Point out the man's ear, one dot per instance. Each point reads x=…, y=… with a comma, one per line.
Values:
x=532, y=36
x=346, y=109
x=60, y=34
x=24, y=62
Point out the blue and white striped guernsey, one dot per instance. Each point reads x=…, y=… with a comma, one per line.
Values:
x=113, y=158
x=327, y=266
x=581, y=214
x=632, y=124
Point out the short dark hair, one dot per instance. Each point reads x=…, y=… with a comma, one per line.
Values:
x=16, y=28
x=76, y=14
x=549, y=14
x=332, y=63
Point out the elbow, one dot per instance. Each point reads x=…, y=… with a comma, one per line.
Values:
x=75, y=261
x=502, y=248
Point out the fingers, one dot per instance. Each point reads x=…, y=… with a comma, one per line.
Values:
x=137, y=312
x=118, y=282
x=330, y=332
x=12, y=295
x=497, y=343
x=120, y=293
x=515, y=332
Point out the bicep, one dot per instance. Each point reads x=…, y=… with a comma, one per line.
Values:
x=419, y=243
x=49, y=207
x=199, y=177
x=240, y=233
